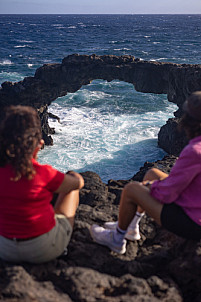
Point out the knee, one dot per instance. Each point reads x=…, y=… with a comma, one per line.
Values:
x=131, y=188
x=150, y=174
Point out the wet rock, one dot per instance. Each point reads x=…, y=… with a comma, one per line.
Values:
x=168, y=134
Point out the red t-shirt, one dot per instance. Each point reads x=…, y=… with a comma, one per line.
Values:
x=25, y=209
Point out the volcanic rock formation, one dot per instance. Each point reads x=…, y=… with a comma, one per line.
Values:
x=55, y=80
x=161, y=266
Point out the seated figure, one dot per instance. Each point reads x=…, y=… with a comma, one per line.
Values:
x=31, y=230
x=174, y=200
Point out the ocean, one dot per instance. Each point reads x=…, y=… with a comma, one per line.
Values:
x=108, y=128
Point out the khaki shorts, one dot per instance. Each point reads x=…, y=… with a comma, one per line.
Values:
x=40, y=249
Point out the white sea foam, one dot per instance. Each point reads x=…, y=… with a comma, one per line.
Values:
x=6, y=62
x=10, y=76
x=57, y=25
x=121, y=49
x=161, y=59
x=21, y=46
x=26, y=41
x=96, y=138
x=81, y=24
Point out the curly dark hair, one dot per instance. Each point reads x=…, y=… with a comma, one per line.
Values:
x=191, y=126
x=20, y=133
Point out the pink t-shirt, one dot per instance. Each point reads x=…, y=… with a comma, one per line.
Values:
x=25, y=209
x=183, y=185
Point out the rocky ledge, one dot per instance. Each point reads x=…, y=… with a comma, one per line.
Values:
x=159, y=267
x=55, y=80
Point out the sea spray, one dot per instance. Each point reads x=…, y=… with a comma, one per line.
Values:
x=104, y=132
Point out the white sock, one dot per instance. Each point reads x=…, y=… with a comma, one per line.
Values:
x=136, y=220
x=119, y=234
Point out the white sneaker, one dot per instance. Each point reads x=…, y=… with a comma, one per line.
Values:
x=131, y=234
x=105, y=237
x=111, y=225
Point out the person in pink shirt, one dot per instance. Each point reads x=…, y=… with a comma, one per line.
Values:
x=174, y=200
x=31, y=230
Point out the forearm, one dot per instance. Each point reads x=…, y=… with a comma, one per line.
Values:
x=72, y=181
x=78, y=177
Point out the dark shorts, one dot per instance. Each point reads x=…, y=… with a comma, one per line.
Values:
x=175, y=220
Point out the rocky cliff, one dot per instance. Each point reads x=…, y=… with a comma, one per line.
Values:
x=159, y=267
x=54, y=80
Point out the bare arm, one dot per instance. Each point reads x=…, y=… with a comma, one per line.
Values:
x=72, y=181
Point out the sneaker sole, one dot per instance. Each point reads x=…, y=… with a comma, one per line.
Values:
x=121, y=252
x=132, y=238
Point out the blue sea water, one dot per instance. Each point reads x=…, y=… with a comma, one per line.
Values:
x=108, y=128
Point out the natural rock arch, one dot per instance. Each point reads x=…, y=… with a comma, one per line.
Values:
x=55, y=80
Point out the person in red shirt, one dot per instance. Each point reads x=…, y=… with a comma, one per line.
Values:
x=31, y=230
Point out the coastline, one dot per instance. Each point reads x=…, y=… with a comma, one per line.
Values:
x=159, y=267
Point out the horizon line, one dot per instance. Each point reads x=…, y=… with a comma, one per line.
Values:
x=130, y=14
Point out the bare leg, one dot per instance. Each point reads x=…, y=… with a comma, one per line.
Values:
x=135, y=196
x=67, y=204
x=152, y=174
x=139, y=209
